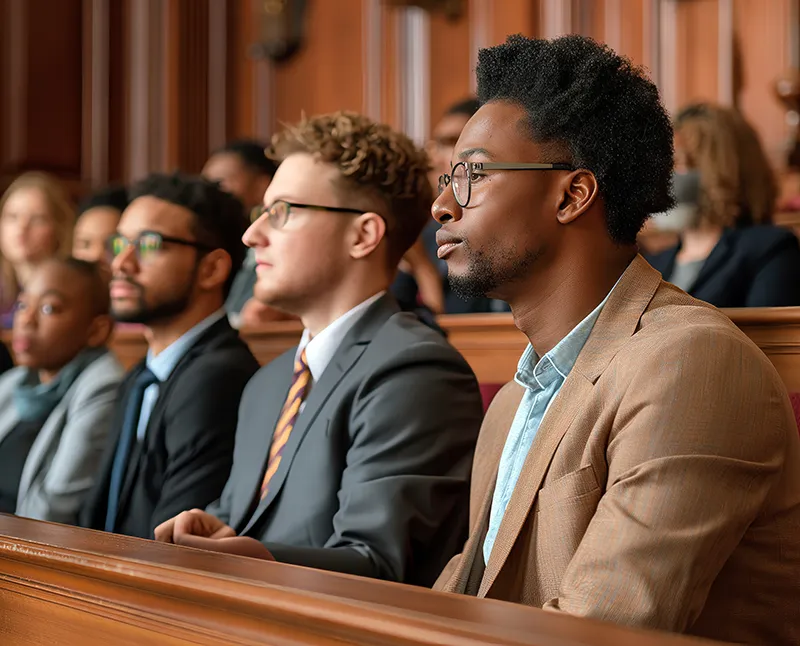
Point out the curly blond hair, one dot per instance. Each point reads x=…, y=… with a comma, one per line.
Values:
x=381, y=168
x=738, y=186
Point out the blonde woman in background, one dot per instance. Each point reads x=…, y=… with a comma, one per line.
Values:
x=36, y=222
x=729, y=254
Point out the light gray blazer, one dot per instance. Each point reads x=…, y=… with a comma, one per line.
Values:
x=63, y=461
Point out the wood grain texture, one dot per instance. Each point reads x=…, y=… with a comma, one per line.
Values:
x=68, y=586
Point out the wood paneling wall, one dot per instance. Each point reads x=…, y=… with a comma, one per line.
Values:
x=99, y=90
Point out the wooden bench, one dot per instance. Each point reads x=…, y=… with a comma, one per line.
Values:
x=66, y=586
x=492, y=344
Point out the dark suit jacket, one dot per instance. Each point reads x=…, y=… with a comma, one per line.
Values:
x=185, y=457
x=751, y=267
x=374, y=479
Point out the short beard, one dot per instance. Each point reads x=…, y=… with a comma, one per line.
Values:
x=160, y=313
x=156, y=314
x=487, y=272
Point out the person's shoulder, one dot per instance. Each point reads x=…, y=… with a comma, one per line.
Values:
x=679, y=328
x=764, y=239
x=222, y=349
x=660, y=259
x=103, y=372
x=10, y=378
x=403, y=334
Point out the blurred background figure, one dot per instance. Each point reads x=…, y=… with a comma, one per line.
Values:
x=728, y=254
x=98, y=217
x=36, y=220
x=242, y=168
x=440, y=147
x=56, y=407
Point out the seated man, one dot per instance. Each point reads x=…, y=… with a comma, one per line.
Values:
x=644, y=466
x=175, y=254
x=56, y=407
x=353, y=450
x=98, y=217
x=243, y=169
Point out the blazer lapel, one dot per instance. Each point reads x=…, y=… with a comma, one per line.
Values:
x=132, y=468
x=341, y=363
x=350, y=350
x=718, y=256
x=47, y=437
x=8, y=412
x=497, y=423
x=259, y=441
x=617, y=322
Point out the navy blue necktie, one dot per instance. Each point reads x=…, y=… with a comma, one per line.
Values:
x=126, y=439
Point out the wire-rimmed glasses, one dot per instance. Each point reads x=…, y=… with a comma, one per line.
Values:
x=462, y=173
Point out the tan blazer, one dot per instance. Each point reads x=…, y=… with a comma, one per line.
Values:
x=662, y=489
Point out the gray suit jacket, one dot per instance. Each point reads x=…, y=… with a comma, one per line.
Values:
x=64, y=459
x=374, y=479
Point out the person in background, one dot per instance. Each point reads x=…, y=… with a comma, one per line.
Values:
x=643, y=467
x=728, y=254
x=56, y=406
x=175, y=253
x=36, y=221
x=353, y=449
x=98, y=216
x=243, y=169
x=440, y=149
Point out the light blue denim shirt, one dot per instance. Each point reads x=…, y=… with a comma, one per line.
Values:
x=162, y=365
x=542, y=380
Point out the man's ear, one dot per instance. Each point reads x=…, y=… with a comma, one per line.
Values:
x=579, y=191
x=368, y=230
x=214, y=269
x=100, y=329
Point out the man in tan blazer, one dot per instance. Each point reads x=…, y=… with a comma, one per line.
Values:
x=644, y=466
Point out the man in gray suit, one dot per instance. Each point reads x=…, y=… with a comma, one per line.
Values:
x=353, y=450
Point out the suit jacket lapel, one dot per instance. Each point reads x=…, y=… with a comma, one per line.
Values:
x=350, y=350
x=718, y=256
x=497, y=423
x=8, y=413
x=341, y=363
x=48, y=435
x=212, y=334
x=617, y=322
x=132, y=468
x=259, y=441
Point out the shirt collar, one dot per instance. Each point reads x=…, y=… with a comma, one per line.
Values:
x=162, y=364
x=320, y=349
x=536, y=374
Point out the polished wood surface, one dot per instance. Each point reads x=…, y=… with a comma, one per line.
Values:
x=67, y=586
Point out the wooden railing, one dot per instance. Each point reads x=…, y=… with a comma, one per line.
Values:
x=492, y=344
x=65, y=586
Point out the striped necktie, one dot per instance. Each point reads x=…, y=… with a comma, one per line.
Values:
x=301, y=380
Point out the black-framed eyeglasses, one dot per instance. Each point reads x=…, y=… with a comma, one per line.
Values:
x=147, y=244
x=278, y=212
x=463, y=174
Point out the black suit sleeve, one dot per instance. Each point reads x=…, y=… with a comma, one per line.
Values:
x=202, y=416
x=777, y=280
x=412, y=430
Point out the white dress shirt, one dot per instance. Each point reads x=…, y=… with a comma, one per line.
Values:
x=321, y=348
